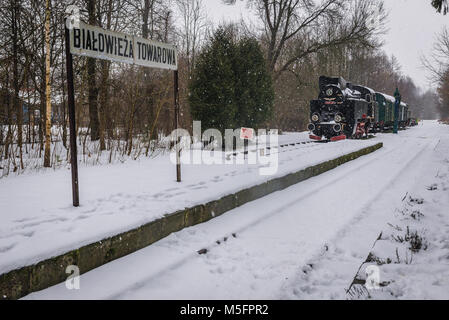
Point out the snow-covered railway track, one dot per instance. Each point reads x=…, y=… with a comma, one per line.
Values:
x=285, y=147
x=248, y=252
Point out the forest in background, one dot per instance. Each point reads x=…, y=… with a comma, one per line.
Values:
x=125, y=109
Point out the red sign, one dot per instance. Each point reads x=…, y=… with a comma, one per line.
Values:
x=247, y=133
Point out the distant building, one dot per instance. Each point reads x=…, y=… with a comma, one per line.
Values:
x=30, y=102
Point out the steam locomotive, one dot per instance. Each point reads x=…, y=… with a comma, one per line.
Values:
x=344, y=110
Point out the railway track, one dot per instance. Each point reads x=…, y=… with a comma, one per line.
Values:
x=286, y=147
x=210, y=246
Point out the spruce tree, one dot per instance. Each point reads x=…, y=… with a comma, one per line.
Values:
x=254, y=90
x=231, y=86
x=212, y=93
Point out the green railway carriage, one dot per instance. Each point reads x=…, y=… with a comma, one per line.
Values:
x=409, y=116
x=403, y=115
x=385, y=111
x=389, y=111
x=381, y=108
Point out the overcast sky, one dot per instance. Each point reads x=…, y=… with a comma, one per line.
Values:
x=412, y=27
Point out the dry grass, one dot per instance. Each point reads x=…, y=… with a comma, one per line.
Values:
x=31, y=156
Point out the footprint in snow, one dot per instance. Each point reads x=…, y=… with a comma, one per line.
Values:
x=173, y=195
x=171, y=189
x=199, y=188
x=28, y=234
x=25, y=219
x=158, y=195
x=92, y=210
x=69, y=229
x=37, y=223
x=7, y=248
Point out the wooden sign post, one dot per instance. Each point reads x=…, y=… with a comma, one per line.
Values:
x=92, y=41
x=72, y=124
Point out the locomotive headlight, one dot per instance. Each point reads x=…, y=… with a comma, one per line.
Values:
x=337, y=127
x=315, y=118
x=337, y=118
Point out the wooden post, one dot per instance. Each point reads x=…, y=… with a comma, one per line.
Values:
x=72, y=124
x=178, y=151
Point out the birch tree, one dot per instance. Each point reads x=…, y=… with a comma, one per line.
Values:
x=47, y=86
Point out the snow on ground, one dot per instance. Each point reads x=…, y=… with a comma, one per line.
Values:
x=37, y=220
x=307, y=241
x=412, y=255
x=407, y=240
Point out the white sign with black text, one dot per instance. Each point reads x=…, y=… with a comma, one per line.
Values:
x=95, y=42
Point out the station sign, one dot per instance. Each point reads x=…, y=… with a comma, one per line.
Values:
x=96, y=42
x=82, y=39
